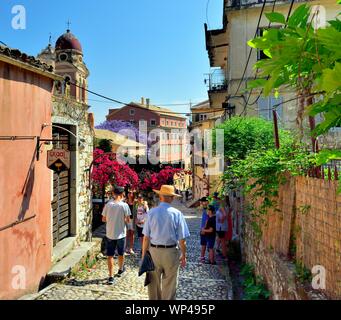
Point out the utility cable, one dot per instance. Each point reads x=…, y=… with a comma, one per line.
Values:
x=251, y=49
x=132, y=103
x=257, y=99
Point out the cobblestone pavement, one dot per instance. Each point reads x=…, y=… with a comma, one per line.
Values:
x=197, y=281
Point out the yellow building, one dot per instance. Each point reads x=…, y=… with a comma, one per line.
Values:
x=228, y=53
x=204, y=119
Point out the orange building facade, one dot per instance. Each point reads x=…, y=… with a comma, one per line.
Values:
x=26, y=87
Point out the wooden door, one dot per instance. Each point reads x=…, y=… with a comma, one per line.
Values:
x=61, y=193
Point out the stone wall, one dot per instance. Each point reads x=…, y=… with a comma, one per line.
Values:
x=67, y=111
x=306, y=229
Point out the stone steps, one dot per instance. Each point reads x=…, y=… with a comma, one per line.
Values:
x=73, y=261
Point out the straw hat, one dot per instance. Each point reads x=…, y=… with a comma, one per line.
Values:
x=167, y=191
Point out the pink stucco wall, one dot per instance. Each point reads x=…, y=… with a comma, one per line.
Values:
x=25, y=184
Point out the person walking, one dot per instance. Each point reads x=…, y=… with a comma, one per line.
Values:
x=164, y=229
x=131, y=225
x=141, y=216
x=209, y=233
x=204, y=218
x=116, y=215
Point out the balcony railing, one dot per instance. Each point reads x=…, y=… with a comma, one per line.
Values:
x=241, y=3
x=216, y=81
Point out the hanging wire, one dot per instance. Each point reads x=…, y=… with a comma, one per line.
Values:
x=257, y=99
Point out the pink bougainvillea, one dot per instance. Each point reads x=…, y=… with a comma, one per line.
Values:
x=109, y=171
x=150, y=180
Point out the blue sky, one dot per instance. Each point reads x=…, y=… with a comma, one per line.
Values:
x=133, y=48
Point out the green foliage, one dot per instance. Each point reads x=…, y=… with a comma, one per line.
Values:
x=104, y=145
x=307, y=61
x=275, y=17
x=303, y=274
x=262, y=172
x=254, y=286
x=324, y=156
x=244, y=135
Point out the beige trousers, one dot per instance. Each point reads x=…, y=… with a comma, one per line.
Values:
x=164, y=279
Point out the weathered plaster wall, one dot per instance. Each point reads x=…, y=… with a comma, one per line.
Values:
x=25, y=183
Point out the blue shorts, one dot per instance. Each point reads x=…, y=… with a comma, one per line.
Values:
x=209, y=242
x=113, y=244
x=139, y=232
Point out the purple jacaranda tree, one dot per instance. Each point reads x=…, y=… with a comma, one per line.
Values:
x=127, y=129
x=122, y=127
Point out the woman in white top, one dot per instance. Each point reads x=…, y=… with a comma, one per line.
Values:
x=141, y=216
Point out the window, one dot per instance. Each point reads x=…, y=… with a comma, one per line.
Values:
x=203, y=117
x=153, y=122
x=132, y=112
x=63, y=57
x=167, y=123
x=265, y=107
x=67, y=79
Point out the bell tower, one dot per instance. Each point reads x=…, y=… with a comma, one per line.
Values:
x=70, y=65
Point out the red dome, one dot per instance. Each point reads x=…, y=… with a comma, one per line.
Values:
x=68, y=42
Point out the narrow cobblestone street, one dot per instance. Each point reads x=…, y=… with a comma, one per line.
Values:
x=197, y=281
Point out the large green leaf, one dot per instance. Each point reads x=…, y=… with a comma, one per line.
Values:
x=332, y=119
x=324, y=156
x=270, y=84
x=336, y=24
x=276, y=17
x=300, y=17
x=331, y=78
x=258, y=83
x=330, y=38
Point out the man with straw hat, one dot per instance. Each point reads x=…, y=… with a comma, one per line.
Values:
x=164, y=229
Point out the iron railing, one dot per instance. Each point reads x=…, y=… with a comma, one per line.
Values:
x=216, y=81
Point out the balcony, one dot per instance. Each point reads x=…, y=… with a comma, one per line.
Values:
x=217, y=87
x=217, y=46
x=216, y=81
x=248, y=3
